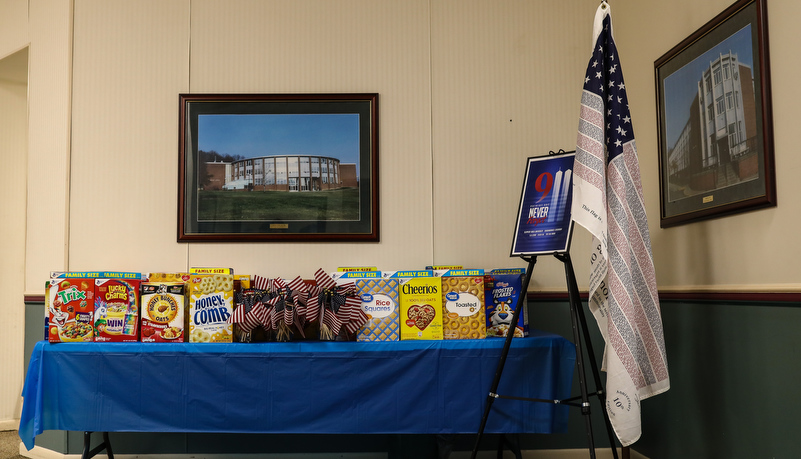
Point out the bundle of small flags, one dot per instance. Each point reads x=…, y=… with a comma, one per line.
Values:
x=284, y=309
x=338, y=308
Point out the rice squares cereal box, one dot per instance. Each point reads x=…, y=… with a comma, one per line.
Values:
x=211, y=302
x=502, y=289
x=116, y=316
x=379, y=297
x=420, y=304
x=163, y=311
x=463, y=304
x=70, y=307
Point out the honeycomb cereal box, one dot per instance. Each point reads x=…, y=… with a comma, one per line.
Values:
x=116, y=316
x=379, y=301
x=163, y=311
x=70, y=309
x=463, y=304
x=502, y=289
x=420, y=304
x=211, y=302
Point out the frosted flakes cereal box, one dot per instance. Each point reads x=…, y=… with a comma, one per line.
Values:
x=163, y=311
x=463, y=304
x=502, y=289
x=211, y=302
x=379, y=301
x=420, y=304
x=116, y=316
x=70, y=309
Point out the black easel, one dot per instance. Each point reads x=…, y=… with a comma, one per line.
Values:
x=580, y=335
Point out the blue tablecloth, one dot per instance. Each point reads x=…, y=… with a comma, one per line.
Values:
x=296, y=387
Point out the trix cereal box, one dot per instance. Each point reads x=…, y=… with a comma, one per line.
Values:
x=116, y=315
x=420, y=304
x=70, y=309
x=463, y=304
x=379, y=301
x=502, y=288
x=163, y=307
x=211, y=302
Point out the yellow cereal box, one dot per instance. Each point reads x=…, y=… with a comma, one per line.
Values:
x=463, y=304
x=421, y=304
x=379, y=301
x=211, y=302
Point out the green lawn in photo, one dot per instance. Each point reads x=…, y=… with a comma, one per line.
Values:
x=341, y=204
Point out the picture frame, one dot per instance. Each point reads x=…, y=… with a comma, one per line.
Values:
x=544, y=224
x=278, y=168
x=714, y=119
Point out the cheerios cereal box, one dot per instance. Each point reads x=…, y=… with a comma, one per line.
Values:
x=163, y=311
x=116, y=316
x=420, y=304
x=463, y=304
x=211, y=302
x=502, y=289
x=70, y=306
x=379, y=297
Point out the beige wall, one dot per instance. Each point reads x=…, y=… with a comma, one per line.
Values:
x=468, y=90
x=751, y=251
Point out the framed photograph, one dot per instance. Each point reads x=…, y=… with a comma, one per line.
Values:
x=714, y=119
x=544, y=224
x=278, y=167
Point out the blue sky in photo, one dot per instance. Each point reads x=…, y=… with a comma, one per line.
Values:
x=334, y=135
x=680, y=86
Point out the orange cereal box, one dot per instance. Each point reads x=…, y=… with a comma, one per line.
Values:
x=70, y=309
x=211, y=302
x=463, y=304
x=163, y=310
x=420, y=304
x=116, y=316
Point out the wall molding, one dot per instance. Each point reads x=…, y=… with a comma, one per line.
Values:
x=690, y=295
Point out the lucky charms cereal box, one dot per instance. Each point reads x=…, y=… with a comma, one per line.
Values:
x=116, y=316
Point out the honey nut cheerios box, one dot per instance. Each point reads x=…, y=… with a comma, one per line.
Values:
x=502, y=290
x=463, y=304
x=69, y=309
x=379, y=297
x=116, y=316
x=164, y=300
x=211, y=302
x=420, y=294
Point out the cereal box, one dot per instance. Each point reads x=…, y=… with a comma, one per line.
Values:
x=420, y=304
x=379, y=301
x=70, y=309
x=463, y=304
x=163, y=311
x=116, y=316
x=211, y=302
x=502, y=289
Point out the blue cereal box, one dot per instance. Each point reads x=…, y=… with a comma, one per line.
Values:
x=379, y=297
x=502, y=288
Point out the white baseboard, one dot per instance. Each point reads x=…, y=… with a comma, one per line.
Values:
x=44, y=453
x=11, y=424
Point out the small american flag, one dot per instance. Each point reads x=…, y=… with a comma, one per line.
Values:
x=608, y=201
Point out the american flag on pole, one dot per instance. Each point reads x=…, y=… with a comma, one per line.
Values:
x=608, y=201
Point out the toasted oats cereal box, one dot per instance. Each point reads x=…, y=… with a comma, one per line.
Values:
x=163, y=311
x=420, y=304
x=211, y=302
x=502, y=289
x=116, y=316
x=379, y=301
x=70, y=306
x=463, y=304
